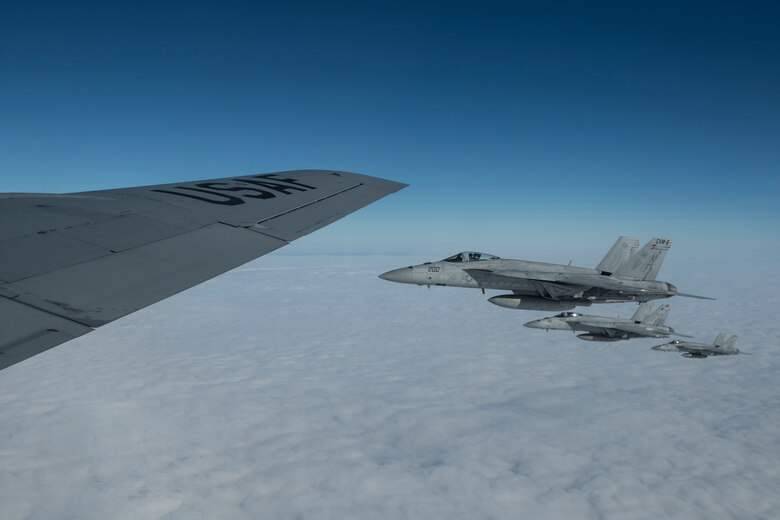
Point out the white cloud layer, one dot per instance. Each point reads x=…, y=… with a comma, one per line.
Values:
x=305, y=387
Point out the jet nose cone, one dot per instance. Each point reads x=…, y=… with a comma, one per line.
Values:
x=402, y=275
x=536, y=324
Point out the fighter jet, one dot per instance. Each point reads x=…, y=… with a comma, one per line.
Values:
x=720, y=347
x=645, y=323
x=624, y=275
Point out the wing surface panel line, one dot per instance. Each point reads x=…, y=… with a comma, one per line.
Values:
x=310, y=203
x=47, y=311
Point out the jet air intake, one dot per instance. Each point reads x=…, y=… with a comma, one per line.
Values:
x=532, y=303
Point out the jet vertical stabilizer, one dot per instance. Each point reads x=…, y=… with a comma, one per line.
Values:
x=720, y=340
x=644, y=310
x=731, y=342
x=620, y=252
x=645, y=263
x=658, y=317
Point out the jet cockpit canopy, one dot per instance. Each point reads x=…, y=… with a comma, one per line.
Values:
x=567, y=315
x=470, y=256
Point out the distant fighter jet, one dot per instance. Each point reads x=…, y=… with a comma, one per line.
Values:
x=645, y=323
x=720, y=347
x=624, y=275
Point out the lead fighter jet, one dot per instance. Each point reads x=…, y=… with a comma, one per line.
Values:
x=73, y=262
x=719, y=347
x=645, y=323
x=624, y=275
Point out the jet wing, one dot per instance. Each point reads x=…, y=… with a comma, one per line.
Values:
x=616, y=329
x=701, y=351
x=70, y=263
x=492, y=278
x=639, y=330
x=596, y=329
x=549, y=285
x=552, y=285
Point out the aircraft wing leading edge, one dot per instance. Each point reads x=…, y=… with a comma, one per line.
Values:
x=70, y=263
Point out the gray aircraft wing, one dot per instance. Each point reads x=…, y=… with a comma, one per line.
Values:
x=552, y=284
x=699, y=350
x=617, y=328
x=638, y=329
x=70, y=263
x=549, y=284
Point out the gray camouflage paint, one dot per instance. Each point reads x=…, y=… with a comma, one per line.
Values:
x=546, y=286
x=645, y=323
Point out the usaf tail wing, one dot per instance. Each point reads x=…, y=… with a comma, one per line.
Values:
x=70, y=263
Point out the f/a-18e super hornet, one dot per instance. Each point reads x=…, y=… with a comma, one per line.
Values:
x=645, y=323
x=720, y=347
x=73, y=262
x=626, y=274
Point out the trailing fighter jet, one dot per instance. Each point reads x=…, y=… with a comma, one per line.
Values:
x=645, y=323
x=720, y=347
x=624, y=275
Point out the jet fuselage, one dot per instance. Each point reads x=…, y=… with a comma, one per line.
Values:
x=531, y=283
x=691, y=349
x=600, y=328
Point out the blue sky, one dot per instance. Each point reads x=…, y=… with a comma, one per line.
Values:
x=514, y=123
